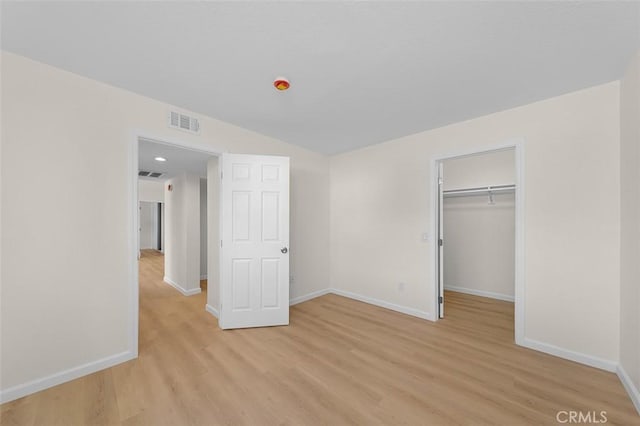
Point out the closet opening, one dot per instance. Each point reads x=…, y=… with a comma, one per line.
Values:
x=478, y=229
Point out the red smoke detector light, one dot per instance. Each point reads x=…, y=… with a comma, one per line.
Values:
x=281, y=83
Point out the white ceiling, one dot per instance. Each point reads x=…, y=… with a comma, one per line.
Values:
x=361, y=72
x=179, y=160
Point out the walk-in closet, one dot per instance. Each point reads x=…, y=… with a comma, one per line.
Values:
x=478, y=215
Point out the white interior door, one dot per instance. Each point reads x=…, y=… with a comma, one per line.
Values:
x=254, y=273
x=440, y=240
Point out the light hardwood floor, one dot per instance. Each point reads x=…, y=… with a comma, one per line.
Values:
x=339, y=362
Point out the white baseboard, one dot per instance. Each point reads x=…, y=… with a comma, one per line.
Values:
x=630, y=387
x=592, y=361
x=37, y=385
x=482, y=293
x=309, y=296
x=203, y=277
x=180, y=289
x=387, y=305
x=213, y=311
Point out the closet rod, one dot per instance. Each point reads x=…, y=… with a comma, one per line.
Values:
x=480, y=190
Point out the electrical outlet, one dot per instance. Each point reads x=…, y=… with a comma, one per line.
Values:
x=400, y=287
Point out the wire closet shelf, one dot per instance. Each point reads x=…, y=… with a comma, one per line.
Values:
x=483, y=190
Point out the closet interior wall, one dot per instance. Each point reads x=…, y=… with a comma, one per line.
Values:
x=479, y=225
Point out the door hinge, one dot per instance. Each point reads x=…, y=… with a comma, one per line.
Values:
x=220, y=243
x=440, y=242
x=440, y=300
x=221, y=175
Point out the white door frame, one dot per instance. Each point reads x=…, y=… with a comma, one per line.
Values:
x=134, y=305
x=520, y=296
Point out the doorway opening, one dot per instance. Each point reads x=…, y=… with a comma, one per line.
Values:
x=151, y=225
x=178, y=231
x=478, y=233
x=247, y=237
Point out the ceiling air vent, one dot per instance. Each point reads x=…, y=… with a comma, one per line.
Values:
x=150, y=174
x=184, y=122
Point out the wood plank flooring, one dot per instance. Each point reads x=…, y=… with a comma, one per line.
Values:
x=339, y=362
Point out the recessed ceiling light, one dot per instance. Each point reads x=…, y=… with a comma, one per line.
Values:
x=161, y=159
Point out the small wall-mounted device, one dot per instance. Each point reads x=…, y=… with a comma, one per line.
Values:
x=281, y=83
x=169, y=187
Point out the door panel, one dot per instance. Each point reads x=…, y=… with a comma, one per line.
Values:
x=255, y=241
x=240, y=221
x=270, y=283
x=270, y=216
x=241, y=284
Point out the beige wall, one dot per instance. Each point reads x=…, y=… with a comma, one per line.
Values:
x=191, y=205
x=380, y=206
x=479, y=245
x=182, y=228
x=174, y=235
x=66, y=283
x=149, y=190
x=630, y=224
x=213, y=234
x=203, y=228
x=494, y=168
